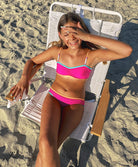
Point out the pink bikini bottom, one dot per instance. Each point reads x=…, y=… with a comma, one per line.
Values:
x=65, y=101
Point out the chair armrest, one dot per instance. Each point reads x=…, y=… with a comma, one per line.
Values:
x=101, y=110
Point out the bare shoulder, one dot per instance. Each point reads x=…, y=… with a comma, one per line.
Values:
x=52, y=52
x=49, y=54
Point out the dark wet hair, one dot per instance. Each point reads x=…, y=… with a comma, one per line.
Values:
x=74, y=18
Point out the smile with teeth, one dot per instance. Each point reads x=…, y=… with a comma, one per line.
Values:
x=73, y=43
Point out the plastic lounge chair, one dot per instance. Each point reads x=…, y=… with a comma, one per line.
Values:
x=95, y=108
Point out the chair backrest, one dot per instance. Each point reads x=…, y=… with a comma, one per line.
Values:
x=97, y=27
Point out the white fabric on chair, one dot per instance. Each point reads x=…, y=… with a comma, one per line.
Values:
x=94, y=84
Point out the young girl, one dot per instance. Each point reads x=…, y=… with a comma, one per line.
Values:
x=77, y=53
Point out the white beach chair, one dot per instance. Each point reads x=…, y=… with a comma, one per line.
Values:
x=96, y=84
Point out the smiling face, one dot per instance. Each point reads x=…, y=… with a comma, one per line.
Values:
x=68, y=36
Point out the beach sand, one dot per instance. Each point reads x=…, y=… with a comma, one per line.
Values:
x=23, y=34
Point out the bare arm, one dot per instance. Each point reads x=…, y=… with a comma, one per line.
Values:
x=23, y=83
x=116, y=46
x=114, y=49
x=30, y=68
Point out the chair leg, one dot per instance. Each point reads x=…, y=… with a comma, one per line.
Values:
x=101, y=110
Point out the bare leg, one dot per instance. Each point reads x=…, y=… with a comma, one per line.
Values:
x=38, y=161
x=71, y=117
x=50, y=121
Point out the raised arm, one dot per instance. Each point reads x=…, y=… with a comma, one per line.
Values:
x=113, y=49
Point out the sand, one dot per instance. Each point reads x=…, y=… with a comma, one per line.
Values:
x=23, y=34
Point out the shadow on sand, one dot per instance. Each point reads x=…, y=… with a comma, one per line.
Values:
x=117, y=70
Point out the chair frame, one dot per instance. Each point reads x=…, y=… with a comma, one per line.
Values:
x=101, y=104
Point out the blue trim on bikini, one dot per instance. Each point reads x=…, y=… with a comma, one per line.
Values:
x=50, y=93
x=75, y=66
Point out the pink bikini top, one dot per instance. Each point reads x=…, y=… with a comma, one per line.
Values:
x=80, y=72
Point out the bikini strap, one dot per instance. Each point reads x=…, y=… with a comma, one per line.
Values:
x=85, y=62
x=58, y=54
